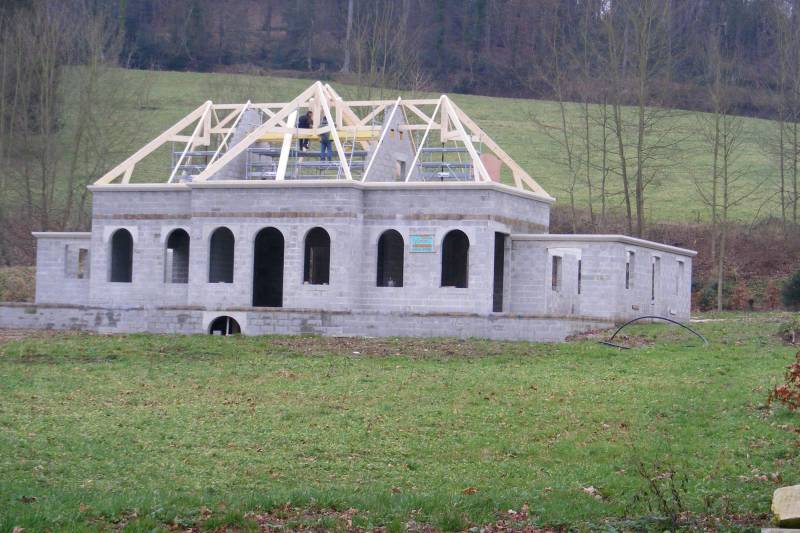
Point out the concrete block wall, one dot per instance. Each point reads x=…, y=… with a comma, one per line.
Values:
x=58, y=279
x=149, y=214
x=287, y=321
x=354, y=216
x=396, y=147
x=668, y=295
x=602, y=292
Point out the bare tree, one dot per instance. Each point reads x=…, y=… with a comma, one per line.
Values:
x=59, y=113
x=726, y=186
x=634, y=61
x=348, y=32
x=570, y=134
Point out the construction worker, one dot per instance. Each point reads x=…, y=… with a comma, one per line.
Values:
x=325, y=149
x=304, y=122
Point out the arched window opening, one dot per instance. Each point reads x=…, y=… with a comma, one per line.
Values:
x=121, y=256
x=390, y=259
x=176, y=260
x=224, y=325
x=455, y=259
x=317, y=264
x=268, y=268
x=221, y=256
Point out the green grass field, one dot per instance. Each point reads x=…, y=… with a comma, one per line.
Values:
x=158, y=431
x=672, y=196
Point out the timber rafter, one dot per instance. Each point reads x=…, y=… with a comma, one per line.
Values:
x=207, y=133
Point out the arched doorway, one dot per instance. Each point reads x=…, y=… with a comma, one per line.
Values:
x=455, y=259
x=268, y=268
x=390, y=259
x=121, y=256
x=220, y=261
x=317, y=262
x=224, y=325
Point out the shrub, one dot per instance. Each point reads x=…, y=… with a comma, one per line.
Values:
x=790, y=331
x=790, y=295
x=17, y=284
x=741, y=298
x=707, y=298
x=788, y=393
x=773, y=295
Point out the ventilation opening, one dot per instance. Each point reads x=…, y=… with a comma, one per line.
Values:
x=224, y=325
x=455, y=257
x=221, y=256
x=121, y=256
x=390, y=259
x=655, y=277
x=176, y=262
x=316, y=267
x=268, y=269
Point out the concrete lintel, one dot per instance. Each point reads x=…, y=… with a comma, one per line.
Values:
x=588, y=238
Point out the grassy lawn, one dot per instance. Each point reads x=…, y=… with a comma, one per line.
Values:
x=155, y=430
x=671, y=196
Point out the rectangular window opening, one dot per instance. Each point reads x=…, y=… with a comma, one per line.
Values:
x=400, y=170
x=580, y=274
x=76, y=262
x=655, y=271
x=499, y=260
x=629, y=269
x=555, y=282
x=679, y=278
x=83, y=263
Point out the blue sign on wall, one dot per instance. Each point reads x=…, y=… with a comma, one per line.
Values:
x=422, y=243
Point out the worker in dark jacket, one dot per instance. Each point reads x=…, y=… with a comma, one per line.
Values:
x=305, y=122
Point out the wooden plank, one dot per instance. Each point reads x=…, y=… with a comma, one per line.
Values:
x=422, y=142
x=419, y=127
x=127, y=165
x=380, y=140
x=518, y=172
x=372, y=114
x=191, y=143
x=286, y=147
x=224, y=141
x=242, y=145
x=425, y=118
x=335, y=135
x=477, y=163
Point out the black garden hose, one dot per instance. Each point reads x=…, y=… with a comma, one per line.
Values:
x=651, y=317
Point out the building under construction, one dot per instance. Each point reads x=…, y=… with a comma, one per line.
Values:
x=414, y=222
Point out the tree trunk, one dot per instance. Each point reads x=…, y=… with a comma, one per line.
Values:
x=348, y=32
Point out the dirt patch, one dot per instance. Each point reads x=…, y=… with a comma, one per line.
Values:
x=9, y=335
x=600, y=335
x=414, y=347
x=288, y=518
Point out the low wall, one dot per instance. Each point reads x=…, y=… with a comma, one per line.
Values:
x=289, y=321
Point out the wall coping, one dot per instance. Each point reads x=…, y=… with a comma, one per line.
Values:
x=301, y=184
x=588, y=238
x=310, y=311
x=62, y=234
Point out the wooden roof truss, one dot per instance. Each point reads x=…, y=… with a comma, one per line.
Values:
x=430, y=126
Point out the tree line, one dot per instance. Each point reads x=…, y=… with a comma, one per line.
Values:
x=468, y=46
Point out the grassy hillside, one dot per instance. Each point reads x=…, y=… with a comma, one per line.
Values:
x=511, y=122
x=198, y=430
